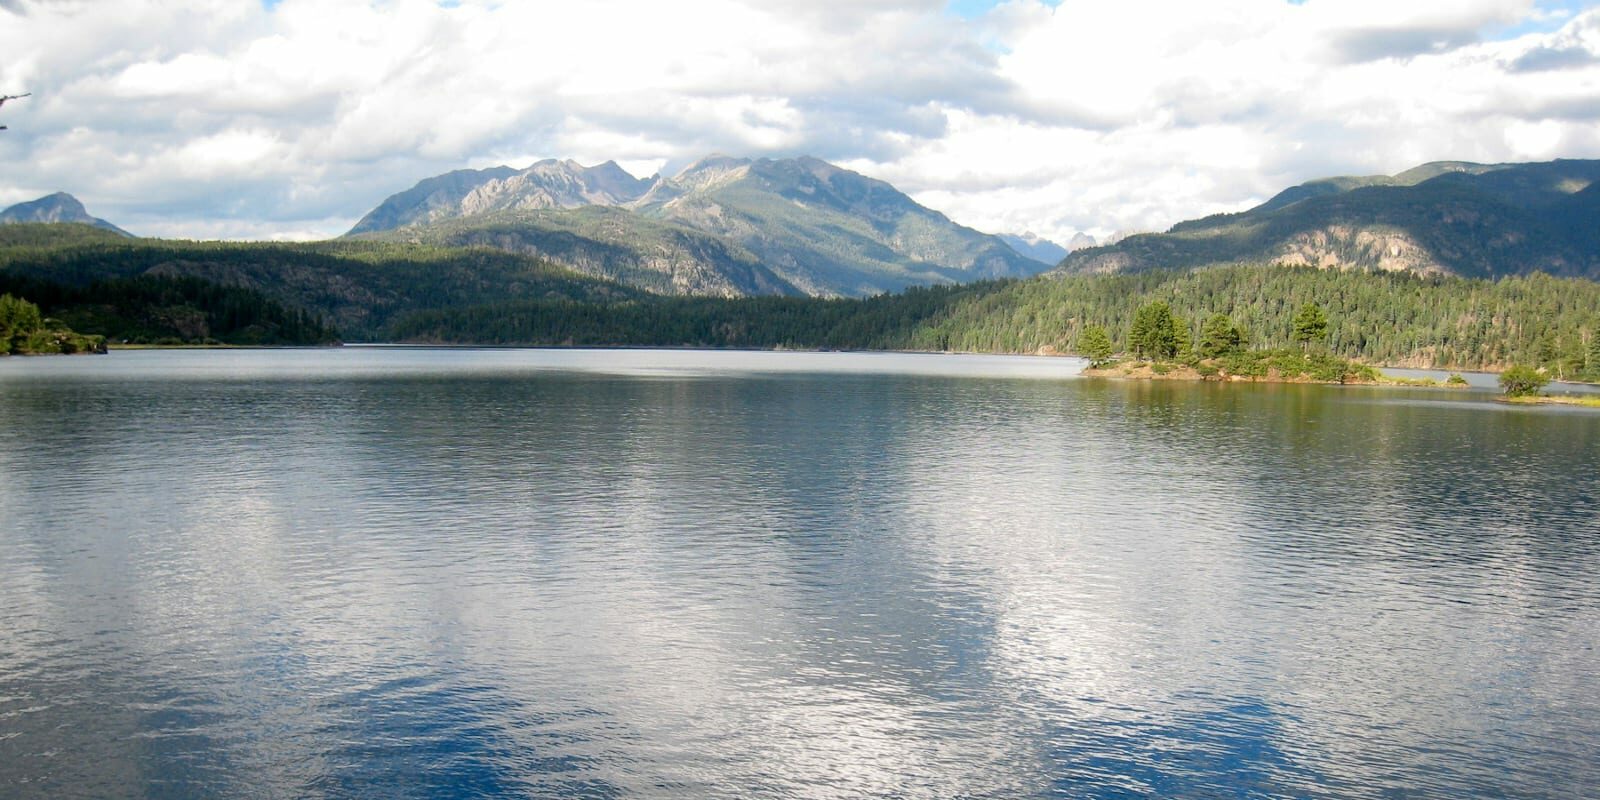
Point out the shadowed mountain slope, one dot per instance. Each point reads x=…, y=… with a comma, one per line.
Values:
x=1478, y=220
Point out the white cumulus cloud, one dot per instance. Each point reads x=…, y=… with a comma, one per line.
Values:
x=235, y=119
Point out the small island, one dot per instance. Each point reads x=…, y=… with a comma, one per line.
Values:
x=24, y=331
x=1256, y=366
x=1164, y=350
x=1522, y=384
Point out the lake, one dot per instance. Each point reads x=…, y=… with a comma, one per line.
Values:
x=451, y=573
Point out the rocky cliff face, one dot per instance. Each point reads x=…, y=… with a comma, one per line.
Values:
x=1346, y=247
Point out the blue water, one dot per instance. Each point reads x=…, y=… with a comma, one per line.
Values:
x=375, y=572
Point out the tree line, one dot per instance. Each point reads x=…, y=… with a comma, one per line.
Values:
x=377, y=291
x=173, y=310
x=1376, y=317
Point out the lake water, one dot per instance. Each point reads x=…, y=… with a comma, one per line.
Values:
x=389, y=572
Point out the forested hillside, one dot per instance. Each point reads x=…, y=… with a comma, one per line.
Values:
x=1386, y=318
x=353, y=288
x=154, y=290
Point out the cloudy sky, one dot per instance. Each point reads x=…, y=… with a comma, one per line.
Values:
x=292, y=118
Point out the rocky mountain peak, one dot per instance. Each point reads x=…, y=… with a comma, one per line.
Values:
x=809, y=225
x=57, y=207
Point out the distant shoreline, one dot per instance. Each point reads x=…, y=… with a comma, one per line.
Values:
x=221, y=346
x=1116, y=371
x=1553, y=400
x=1188, y=374
x=1212, y=372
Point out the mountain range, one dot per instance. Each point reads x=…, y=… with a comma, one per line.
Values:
x=722, y=226
x=1447, y=217
x=732, y=227
x=58, y=207
x=564, y=254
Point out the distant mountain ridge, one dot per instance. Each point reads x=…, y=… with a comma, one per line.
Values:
x=1035, y=247
x=1039, y=248
x=1446, y=217
x=58, y=207
x=723, y=225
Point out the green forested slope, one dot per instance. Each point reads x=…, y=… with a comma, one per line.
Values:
x=372, y=291
x=173, y=310
x=1377, y=317
x=354, y=287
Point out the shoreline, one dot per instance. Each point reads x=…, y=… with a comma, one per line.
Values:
x=1211, y=373
x=1116, y=371
x=1552, y=400
x=113, y=347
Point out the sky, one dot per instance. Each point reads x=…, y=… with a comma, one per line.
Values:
x=291, y=119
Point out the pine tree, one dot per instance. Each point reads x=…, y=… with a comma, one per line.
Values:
x=1219, y=337
x=1310, y=325
x=1154, y=332
x=1095, y=345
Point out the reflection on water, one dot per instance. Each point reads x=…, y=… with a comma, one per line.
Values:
x=443, y=573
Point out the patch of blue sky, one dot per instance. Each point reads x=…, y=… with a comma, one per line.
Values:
x=972, y=9
x=1548, y=15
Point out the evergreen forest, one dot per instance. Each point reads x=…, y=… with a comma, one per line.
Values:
x=149, y=290
x=1397, y=319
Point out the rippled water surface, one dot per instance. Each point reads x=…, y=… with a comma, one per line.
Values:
x=461, y=573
